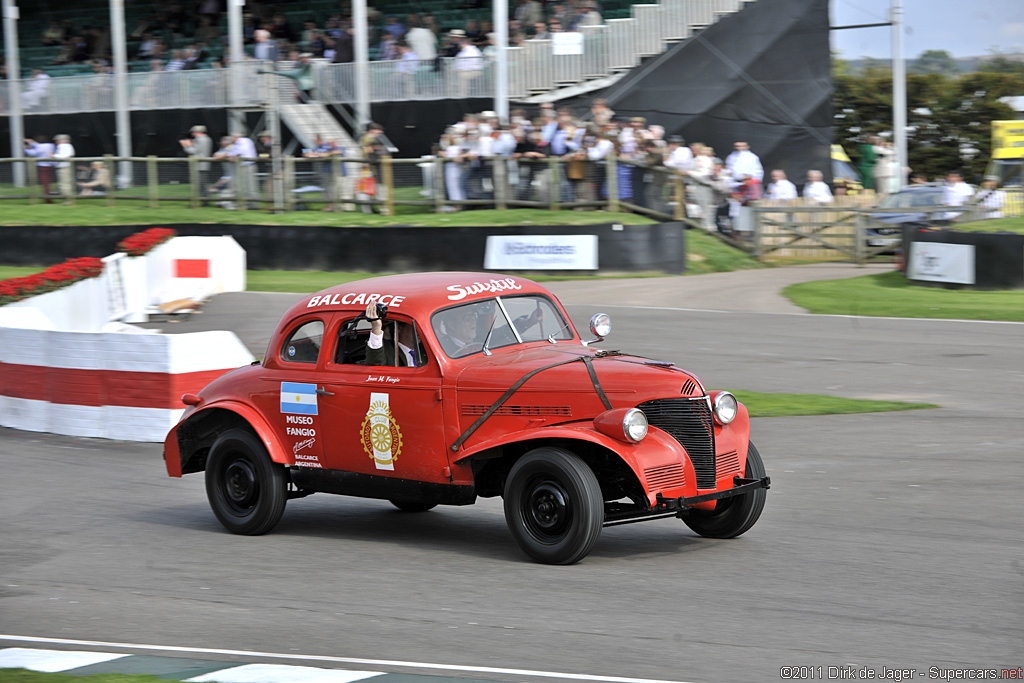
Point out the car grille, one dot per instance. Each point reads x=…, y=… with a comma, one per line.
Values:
x=665, y=477
x=729, y=463
x=689, y=422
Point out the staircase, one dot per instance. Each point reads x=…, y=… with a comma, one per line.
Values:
x=306, y=121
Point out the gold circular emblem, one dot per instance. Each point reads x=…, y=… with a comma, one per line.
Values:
x=380, y=435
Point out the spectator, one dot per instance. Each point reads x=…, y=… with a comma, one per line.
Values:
x=744, y=162
x=956, y=193
x=52, y=35
x=422, y=41
x=677, y=155
x=265, y=49
x=176, y=62
x=600, y=113
x=65, y=172
x=243, y=150
x=281, y=30
x=469, y=63
x=38, y=89
x=528, y=12
x=200, y=145
x=887, y=176
x=302, y=74
x=540, y=31
x=147, y=48
x=816, y=190
x=42, y=150
x=405, y=72
x=344, y=49
x=387, y=51
x=99, y=180
x=866, y=164
x=991, y=197
x=587, y=16
x=393, y=27
x=780, y=187
x=919, y=179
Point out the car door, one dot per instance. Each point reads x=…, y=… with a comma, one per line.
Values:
x=381, y=420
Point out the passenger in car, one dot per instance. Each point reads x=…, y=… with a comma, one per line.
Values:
x=379, y=353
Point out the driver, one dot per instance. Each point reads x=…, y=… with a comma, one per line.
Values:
x=460, y=329
x=379, y=354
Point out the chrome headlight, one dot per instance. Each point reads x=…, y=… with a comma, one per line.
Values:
x=725, y=408
x=601, y=325
x=634, y=424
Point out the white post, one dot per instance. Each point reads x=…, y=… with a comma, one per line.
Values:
x=14, y=90
x=123, y=126
x=360, y=29
x=899, y=90
x=235, y=74
x=501, y=60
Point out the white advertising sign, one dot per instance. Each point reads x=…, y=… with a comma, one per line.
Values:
x=541, y=252
x=567, y=43
x=940, y=262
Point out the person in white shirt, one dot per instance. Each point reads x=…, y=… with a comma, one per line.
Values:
x=405, y=71
x=379, y=354
x=678, y=156
x=781, y=187
x=38, y=89
x=744, y=162
x=422, y=41
x=469, y=63
x=991, y=198
x=816, y=190
x=65, y=171
x=956, y=193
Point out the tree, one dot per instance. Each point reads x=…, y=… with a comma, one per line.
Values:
x=1002, y=63
x=934, y=62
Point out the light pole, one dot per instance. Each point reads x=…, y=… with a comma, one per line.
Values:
x=14, y=90
x=123, y=126
x=899, y=89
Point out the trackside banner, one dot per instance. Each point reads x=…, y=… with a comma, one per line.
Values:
x=940, y=262
x=541, y=252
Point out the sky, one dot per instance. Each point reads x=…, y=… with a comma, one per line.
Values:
x=964, y=28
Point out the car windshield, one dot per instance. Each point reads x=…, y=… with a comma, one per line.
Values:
x=905, y=200
x=463, y=330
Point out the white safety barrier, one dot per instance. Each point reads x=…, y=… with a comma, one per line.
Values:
x=63, y=370
x=110, y=385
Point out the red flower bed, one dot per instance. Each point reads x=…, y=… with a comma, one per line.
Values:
x=54, y=277
x=143, y=242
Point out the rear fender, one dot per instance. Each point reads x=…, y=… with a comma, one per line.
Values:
x=188, y=441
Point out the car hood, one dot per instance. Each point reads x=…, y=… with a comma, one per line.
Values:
x=560, y=373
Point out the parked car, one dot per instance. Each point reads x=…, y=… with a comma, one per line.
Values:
x=482, y=387
x=892, y=223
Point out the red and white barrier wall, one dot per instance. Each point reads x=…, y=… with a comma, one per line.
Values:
x=60, y=372
x=107, y=384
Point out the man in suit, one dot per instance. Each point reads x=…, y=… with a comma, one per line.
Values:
x=200, y=146
x=383, y=354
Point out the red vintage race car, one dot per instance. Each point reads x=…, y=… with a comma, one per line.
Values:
x=438, y=388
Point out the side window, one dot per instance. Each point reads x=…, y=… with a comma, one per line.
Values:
x=401, y=345
x=303, y=344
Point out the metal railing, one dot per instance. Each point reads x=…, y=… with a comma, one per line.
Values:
x=615, y=46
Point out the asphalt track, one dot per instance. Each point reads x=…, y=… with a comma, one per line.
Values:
x=888, y=540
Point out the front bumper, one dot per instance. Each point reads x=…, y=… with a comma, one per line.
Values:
x=674, y=507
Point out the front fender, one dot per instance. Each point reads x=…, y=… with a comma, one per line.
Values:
x=657, y=450
x=179, y=439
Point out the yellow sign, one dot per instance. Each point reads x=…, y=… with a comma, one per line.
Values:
x=381, y=437
x=1007, y=139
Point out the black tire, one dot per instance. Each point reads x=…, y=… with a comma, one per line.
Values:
x=411, y=505
x=732, y=516
x=553, y=506
x=247, y=490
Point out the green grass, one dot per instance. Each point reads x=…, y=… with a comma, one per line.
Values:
x=994, y=225
x=707, y=254
x=26, y=676
x=892, y=295
x=787, y=405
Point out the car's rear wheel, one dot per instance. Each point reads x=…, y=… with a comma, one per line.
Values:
x=553, y=506
x=732, y=516
x=411, y=505
x=247, y=490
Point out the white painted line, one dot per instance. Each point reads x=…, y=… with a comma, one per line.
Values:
x=274, y=673
x=808, y=315
x=336, y=660
x=51, y=661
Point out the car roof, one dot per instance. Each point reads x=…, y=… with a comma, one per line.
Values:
x=416, y=294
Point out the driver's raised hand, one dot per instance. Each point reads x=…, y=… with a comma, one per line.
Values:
x=376, y=324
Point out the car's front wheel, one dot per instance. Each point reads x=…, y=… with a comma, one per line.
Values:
x=553, y=506
x=247, y=490
x=732, y=516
